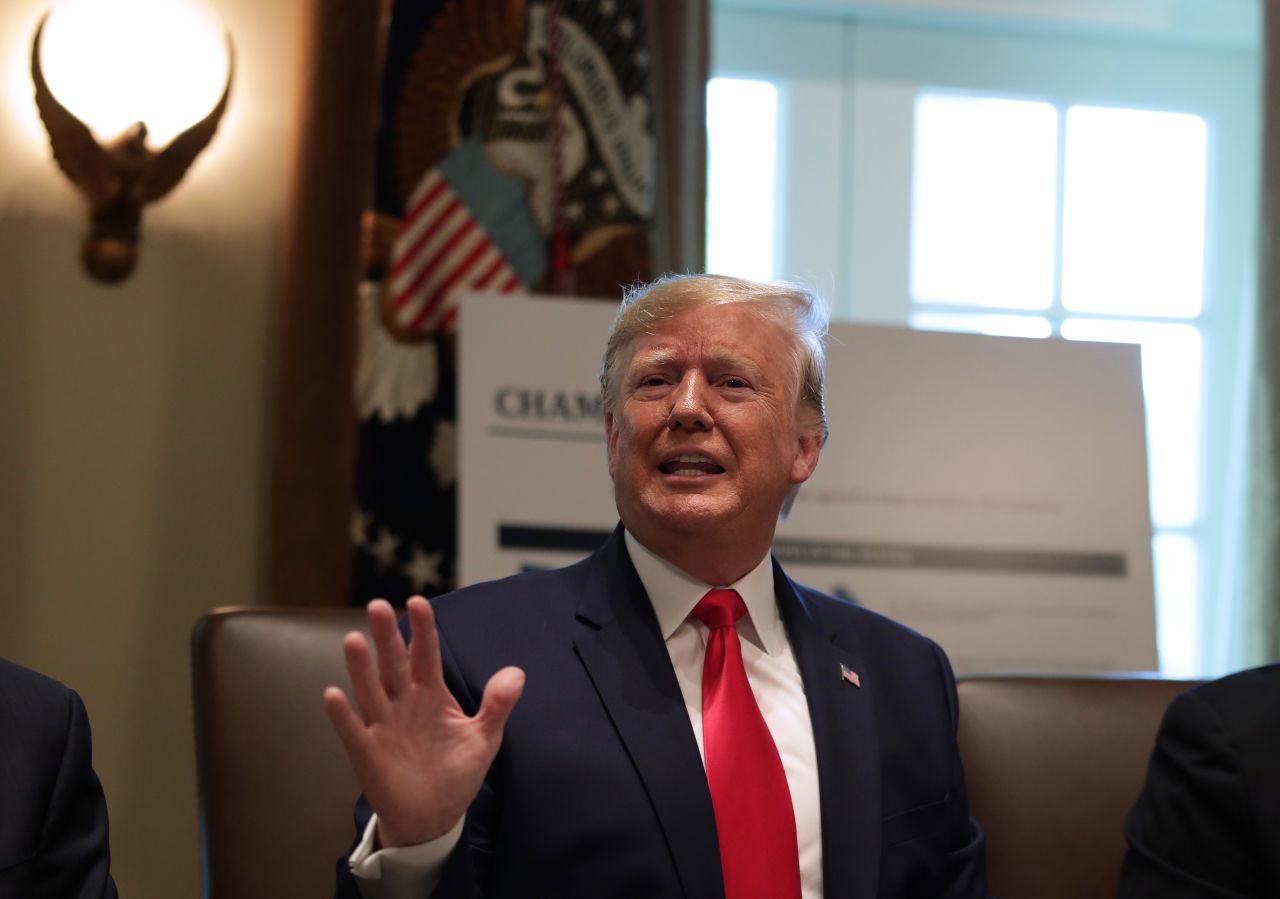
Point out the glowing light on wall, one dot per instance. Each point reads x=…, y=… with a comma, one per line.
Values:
x=161, y=62
x=120, y=95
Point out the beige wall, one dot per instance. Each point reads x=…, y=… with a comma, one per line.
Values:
x=132, y=438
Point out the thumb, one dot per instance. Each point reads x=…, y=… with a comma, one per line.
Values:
x=500, y=696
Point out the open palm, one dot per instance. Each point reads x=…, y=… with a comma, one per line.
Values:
x=419, y=757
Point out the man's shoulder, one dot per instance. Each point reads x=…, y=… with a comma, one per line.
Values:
x=28, y=692
x=1254, y=684
x=548, y=587
x=874, y=636
x=1246, y=702
x=35, y=713
x=553, y=588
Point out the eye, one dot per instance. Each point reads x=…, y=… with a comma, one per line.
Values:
x=651, y=381
x=734, y=383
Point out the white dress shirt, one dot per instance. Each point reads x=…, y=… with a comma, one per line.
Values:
x=402, y=873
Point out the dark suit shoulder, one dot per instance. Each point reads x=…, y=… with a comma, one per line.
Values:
x=496, y=617
x=553, y=586
x=909, y=668
x=17, y=679
x=1246, y=704
x=35, y=712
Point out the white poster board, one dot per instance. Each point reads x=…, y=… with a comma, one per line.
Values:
x=990, y=492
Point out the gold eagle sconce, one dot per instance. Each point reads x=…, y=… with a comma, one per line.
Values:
x=120, y=178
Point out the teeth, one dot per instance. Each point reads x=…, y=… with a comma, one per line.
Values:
x=684, y=465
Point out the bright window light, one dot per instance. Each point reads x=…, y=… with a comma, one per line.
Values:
x=983, y=201
x=1171, y=383
x=1133, y=212
x=1177, y=576
x=742, y=140
x=998, y=325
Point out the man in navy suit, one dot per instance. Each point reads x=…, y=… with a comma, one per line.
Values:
x=562, y=733
x=53, y=819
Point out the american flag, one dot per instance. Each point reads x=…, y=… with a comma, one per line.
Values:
x=441, y=248
x=849, y=676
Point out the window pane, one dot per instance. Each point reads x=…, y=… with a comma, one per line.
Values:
x=1171, y=383
x=1133, y=212
x=1000, y=325
x=1177, y=577
x=742, y=140
x=983, y=200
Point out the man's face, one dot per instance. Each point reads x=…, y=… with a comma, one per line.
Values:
x=704, y=432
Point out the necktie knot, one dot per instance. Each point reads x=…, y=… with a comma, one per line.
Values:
x=720, y=608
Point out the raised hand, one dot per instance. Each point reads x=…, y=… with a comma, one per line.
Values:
x=420, y=759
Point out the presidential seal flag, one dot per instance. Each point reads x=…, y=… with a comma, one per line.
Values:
x=515, y=154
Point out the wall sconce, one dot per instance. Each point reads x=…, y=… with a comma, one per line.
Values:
x=125, y=174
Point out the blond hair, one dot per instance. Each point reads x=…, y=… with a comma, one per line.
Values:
x=800, y=313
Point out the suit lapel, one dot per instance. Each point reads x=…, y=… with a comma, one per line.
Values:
x=848, y=751
x=621, y=647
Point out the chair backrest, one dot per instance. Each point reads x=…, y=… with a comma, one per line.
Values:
x=276, y=791
x=1053, y=766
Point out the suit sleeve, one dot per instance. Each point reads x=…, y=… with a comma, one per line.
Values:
x=1190, y=833
x=74, y=859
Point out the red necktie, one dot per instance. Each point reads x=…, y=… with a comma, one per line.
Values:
x=754, y=818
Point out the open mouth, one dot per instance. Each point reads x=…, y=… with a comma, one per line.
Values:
x=690, y=465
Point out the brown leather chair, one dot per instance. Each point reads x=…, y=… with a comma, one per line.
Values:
x=1053, y=766
x=276, y=791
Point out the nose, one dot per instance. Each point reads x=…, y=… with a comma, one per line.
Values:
x=689, y=404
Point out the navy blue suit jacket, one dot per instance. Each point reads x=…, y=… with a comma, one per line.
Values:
x=599, y=789
x=53, y=819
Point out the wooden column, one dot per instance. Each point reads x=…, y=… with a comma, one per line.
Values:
x=312, y=465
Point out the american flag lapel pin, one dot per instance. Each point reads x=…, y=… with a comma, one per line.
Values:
x=849, y=676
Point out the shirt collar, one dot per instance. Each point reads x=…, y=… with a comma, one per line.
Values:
x=674, y=594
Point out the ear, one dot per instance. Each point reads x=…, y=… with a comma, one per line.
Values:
x=808, y=448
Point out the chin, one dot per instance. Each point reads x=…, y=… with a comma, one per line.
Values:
x=691, y=517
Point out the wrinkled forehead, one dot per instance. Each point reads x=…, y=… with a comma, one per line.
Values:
x=729, y=330
x=752, y=344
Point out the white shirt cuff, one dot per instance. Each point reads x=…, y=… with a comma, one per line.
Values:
x=401, y=871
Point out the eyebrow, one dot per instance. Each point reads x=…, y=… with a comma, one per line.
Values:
x=656, y=356
x=661, y=356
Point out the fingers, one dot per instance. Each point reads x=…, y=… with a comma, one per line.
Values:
x=345, y=721
x=365, y=686
x=376, y=686
x=500, y=696
x=424, y=643
x=393, y=659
